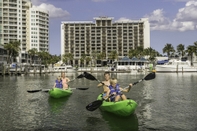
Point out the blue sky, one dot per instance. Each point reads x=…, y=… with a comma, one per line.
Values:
x=171, y=21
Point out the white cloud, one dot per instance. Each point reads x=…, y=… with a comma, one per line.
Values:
x=158, y=21
x=54, y=12
x=185, y=19
x=188, y=13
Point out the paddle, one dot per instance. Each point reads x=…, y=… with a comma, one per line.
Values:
x=91, y=77
x=96, y=104
x=47, y=90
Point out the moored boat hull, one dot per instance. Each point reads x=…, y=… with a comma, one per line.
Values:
x=59, y=93
x=121, y=108
x=176, y=66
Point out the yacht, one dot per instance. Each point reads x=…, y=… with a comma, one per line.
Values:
x=176, y=66
x=65, y=68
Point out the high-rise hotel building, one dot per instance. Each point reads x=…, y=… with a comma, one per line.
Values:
x=103, y=36
x=22, y=22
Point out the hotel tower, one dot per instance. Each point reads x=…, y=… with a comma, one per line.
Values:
x=103, y=35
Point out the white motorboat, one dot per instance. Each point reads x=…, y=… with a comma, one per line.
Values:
x=66, y=68
x=176, y=66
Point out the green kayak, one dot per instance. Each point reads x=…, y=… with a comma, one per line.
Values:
x=121, y=108
x=58, y=93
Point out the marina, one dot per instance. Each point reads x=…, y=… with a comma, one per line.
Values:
x=162, y=104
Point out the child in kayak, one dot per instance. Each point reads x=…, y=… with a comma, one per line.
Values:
x=58, y=83
x=105, y=83
x=115, y=91
x=65, y=81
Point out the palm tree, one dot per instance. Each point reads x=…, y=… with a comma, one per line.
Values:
x=101, y=56
x=67, y=58
x=190, y=50
x=94, y=57
x=54, y=59
x=139, y=51
x=88, y=59
x=181, y=49
x=13, y=48
x=151, y=53
x=168, y=49
x=82, y=59
x=113, y=55
x=44, y=57
x=132, y=53
x=32, y=53
x=195, y=44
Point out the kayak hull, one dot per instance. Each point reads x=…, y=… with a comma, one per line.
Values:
x=59, y=93
x=121, y=108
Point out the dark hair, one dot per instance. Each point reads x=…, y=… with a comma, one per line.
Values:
x=107, y=73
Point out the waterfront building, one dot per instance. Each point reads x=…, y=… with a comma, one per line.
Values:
x=103, y=36
x=3, y=56
x=19, y=21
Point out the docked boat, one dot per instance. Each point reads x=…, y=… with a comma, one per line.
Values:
x=121, y=108
x=176, y=66
x=58, y=93
x=65, y=68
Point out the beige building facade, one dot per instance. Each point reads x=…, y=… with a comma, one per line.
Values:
x=103, y=36
x=19, y=21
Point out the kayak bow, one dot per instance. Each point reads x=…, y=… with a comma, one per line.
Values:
x=121, y=108
x=58, y=93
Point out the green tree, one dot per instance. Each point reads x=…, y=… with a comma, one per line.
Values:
x=168, y=49
x=113, y=55
x=195, y=45
x=54, y=59
x=190, y=50
x=151, y=53
x=44, y=57
x=32, y=53
x=68, y=58
x=82, y=59
x=88, y=59
x=132, y=53
x=139, y=51
x=181, y=49
x=13, y=49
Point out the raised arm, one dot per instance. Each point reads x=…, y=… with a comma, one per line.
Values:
x=126, y=89
x=100, y=84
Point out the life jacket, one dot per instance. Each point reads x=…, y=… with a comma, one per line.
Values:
x=58, y=84
x=116, y=89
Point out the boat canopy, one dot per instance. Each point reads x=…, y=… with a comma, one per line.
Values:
x=134, y=59
x=161, y=62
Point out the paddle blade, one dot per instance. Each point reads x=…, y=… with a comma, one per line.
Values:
x=33, y=91
x=89, y=76
x=80, y=88
x=80, y=76
x=94, y=105
x=150, y=76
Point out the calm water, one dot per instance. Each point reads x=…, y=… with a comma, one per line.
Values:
x=167, y=103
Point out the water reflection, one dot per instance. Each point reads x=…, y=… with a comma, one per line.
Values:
x=118, y=123
x=57, y=105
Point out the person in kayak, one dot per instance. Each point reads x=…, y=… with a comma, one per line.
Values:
x=105, y=84
x=65, y=81
x=115, y=91
x=58, y=83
